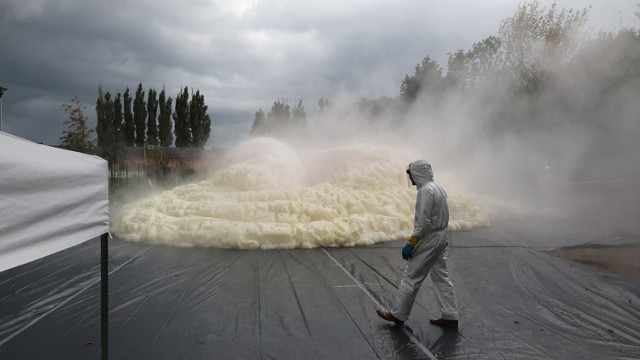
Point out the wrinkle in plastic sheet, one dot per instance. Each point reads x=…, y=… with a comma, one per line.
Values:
x=194, y=303
x=507, y=313
x=45, y=303
x=549, y=304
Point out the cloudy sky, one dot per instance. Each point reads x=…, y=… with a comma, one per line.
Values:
x=242, y=54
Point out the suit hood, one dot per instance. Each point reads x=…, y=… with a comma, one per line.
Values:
x=421, y=172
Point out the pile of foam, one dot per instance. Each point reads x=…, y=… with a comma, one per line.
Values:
x=267, y=196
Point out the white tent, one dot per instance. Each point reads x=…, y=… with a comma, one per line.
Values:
x=50, y=199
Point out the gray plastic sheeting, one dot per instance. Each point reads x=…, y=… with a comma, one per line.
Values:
x=516, y=302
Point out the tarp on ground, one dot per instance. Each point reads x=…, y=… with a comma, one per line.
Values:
x=50, y=199
x=516, y=302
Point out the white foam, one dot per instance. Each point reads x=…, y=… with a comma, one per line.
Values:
x=267, y=196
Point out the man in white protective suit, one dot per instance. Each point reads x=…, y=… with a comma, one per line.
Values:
x=426, y=251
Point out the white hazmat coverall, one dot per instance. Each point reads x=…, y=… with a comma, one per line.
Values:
x=430, y=254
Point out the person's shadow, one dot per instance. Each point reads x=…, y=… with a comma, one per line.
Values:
x=443, y=347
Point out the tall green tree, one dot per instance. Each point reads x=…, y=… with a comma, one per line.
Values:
x=323, y=104
x=105, y=128
x=535, y=40
x=102, y=123
x=298, y=116
x=484, y=60
x=199, y=120
x=152, y=124
x=117, y=145
x=458, y=70
x=117, y=120
x=181, y=119
x=477, y=66
x=139, y=116
x=427, y=79
x=164, y=120
x=129, y=125
x=109, y=126
x=279, y=115
x=78, y=136
x=258, y=128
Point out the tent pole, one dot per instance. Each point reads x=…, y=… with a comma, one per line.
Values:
x=104, y=294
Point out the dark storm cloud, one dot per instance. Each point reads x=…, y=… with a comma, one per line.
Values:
x=241, y=55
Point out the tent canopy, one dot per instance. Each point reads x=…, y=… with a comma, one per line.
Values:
x=50, y=199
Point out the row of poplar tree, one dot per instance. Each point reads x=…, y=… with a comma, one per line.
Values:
x=123, y=121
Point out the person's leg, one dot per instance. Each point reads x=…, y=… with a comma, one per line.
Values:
x=445, y=294
x=424, y=256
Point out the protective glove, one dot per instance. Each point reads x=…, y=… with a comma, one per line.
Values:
x=407, y=252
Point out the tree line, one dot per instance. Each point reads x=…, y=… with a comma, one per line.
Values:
x=280, y=120
x=126, y=121
x=518, y=60
x=531, y=47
